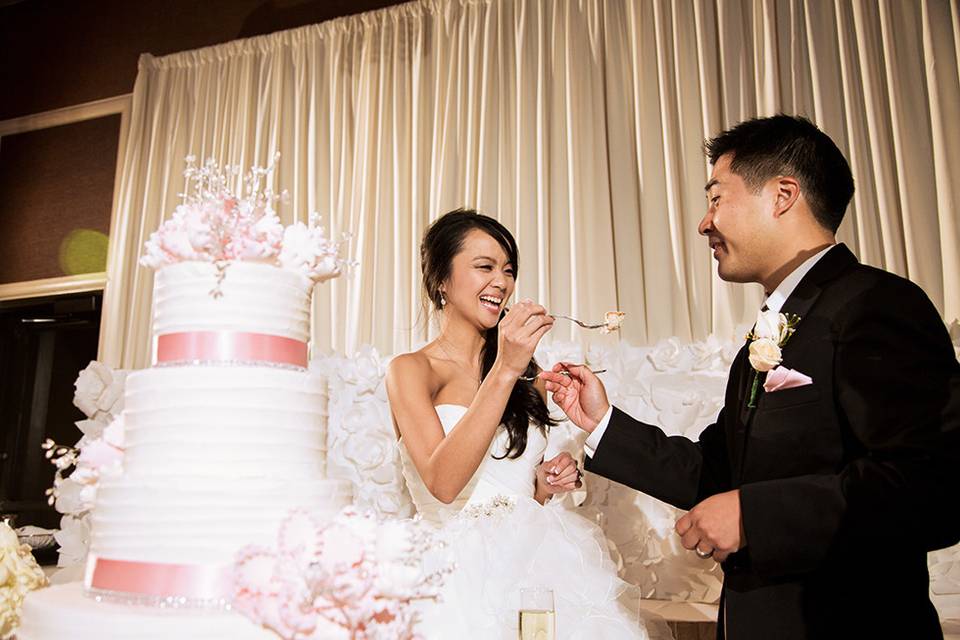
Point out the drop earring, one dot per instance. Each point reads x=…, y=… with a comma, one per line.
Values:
x=443, y=301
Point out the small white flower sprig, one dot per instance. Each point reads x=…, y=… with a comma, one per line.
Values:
x=767, y=340
x=64, y=459
x=354, y=577
x=216, y=224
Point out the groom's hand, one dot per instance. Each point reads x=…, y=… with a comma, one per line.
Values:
x=714, y=525
x=580, y=395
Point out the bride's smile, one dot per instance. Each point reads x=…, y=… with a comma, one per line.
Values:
x=482, y=279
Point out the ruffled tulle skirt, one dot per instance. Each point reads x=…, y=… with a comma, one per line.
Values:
x=507, y=544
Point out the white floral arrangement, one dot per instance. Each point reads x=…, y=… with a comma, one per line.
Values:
x=219, y=224
x=98, y=452
x=19, y=574
x=355, y=577
x=361, y=442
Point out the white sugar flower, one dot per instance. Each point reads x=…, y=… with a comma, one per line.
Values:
x=90, y=428
x=305, y=249
x=91, y=382
x=217, y=224
x=99, y=391
x=70, y=496
x=74, y=540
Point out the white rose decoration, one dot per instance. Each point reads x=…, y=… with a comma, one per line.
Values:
x=74, y=540
x=305, y=249
x=765, y=354
x=670, y=355
x=91, y=382
x=70, y=497
x=19, y=574
x=390, y=504
x=90, y=428
x=99, y=390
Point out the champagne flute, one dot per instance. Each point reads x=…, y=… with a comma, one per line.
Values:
x=537, y=615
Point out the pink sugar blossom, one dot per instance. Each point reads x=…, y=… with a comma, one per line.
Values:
x=326, y=581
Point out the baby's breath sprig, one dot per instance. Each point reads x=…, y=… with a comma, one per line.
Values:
x=63, y=458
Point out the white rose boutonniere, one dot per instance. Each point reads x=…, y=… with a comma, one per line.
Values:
x=767, y=340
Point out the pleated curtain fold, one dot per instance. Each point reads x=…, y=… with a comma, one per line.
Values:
x=578, y=123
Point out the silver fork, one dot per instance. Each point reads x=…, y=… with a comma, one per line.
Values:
x=583, y=324
x=563, y=373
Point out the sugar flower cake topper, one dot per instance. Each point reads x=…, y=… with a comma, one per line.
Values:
x=218, y=223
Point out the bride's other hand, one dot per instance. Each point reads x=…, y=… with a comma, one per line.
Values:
x=559, y=474
x=519, y=333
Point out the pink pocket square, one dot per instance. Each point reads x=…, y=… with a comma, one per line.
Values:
x=783, y=378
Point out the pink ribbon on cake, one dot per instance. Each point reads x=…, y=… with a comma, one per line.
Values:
x=159, y=579
x=230, y=345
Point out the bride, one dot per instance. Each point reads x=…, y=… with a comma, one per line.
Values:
x=472, y=419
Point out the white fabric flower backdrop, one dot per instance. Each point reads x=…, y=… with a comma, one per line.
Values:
x=678, y=386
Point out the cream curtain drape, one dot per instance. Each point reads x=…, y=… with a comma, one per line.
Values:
x=578, y=123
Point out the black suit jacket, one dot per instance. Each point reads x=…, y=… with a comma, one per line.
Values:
x=844, y=484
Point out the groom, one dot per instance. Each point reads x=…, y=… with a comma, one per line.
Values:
x=834, y=465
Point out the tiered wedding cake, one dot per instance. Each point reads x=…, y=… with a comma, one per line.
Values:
x=223, y=437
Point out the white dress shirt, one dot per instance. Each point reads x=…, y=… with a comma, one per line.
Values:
x=774, y=302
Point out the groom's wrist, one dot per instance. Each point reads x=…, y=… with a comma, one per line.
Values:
x=596, y=435
x=602, y=419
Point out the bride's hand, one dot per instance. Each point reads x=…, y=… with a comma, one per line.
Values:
x=519, y=332
x=559, y=474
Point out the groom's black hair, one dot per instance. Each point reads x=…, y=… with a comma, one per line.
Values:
x=781, y=145
x=444, y=240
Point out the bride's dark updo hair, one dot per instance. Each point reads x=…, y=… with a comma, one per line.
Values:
x=443, y=241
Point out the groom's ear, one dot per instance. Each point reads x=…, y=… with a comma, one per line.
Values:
x=786, y=193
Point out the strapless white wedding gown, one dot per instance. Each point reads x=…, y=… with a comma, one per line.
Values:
x=502, y=540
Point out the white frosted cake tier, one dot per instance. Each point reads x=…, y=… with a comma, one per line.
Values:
x=62, y=611
x=215, y=457
x=223, y=421
x=255, y=298
x=201, y=520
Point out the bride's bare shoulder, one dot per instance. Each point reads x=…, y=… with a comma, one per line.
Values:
x=412, y=370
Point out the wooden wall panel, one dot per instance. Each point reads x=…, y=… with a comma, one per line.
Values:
x=53, y=182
